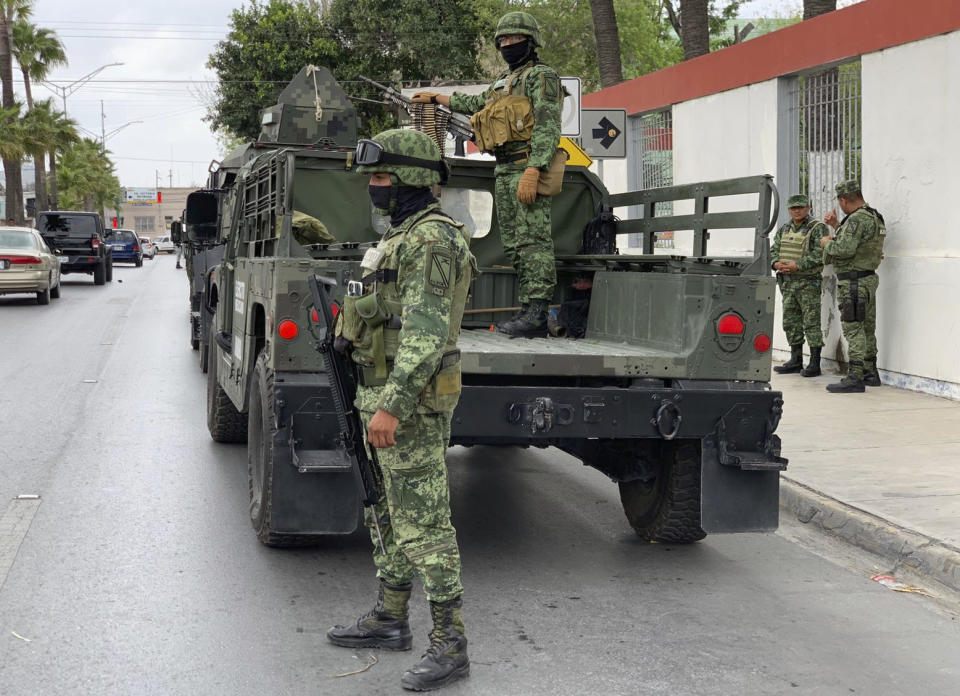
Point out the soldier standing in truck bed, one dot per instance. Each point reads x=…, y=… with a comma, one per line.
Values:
x=403, y=330
x=855, y=252
x=798, y=260
x=518, y=119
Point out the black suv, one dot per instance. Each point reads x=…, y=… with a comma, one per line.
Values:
x=78, y=239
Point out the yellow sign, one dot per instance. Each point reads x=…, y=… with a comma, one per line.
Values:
x=578, y=157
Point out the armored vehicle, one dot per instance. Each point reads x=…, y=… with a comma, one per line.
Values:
x=667, y=391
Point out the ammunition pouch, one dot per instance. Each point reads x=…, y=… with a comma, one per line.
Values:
x=443, y=390
x=551, y=181
x=504, y=120
x=854, y=307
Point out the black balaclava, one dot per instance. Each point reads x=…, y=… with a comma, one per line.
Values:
x=398, y=201
x=517, y=54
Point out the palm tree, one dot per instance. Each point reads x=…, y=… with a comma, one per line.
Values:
x=89, y=182
x=11, y=135
x=694, y=20
x=37, y=51
x=39, y=129
x=813, y=8
x=63, y=136
x=10, y=12
x=608, y=42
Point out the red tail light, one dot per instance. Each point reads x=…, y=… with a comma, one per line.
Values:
x=95, y=243
x=287, y=330
x=334, y=309
x=24, y=260
x=136, y=247
x=761, y=343
x=730, y=325
x=314, y=317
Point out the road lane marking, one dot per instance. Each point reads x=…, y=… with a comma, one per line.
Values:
x=13, y=528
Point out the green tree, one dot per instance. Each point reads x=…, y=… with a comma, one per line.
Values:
x=63, y=136
x=10, y=12
x=268, y=43
x=87, y=178
x=11, y=135
x=40, y=130
x=38, y=51
x=702, y=19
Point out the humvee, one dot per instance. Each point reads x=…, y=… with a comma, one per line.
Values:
x=667, y=391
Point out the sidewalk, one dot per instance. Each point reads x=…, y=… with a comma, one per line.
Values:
x=880, y=470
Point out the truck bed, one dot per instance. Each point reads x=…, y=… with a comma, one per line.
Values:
x=487, y=352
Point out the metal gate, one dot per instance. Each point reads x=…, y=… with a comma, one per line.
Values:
x=826, y=111
x=651, y=166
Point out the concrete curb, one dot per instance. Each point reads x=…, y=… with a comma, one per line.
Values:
x=923, y=555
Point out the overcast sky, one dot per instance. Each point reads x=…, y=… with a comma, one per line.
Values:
x=163, y=47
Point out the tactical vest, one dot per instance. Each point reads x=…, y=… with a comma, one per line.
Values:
x=869, y=254
x=794, y=242
x=506, y=117
x=373, y=321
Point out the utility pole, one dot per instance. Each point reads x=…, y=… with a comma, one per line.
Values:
x=170, y=175
x=103, y=127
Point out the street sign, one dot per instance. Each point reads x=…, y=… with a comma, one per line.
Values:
x=575, y=154
x=570, y=115
x=140, y=195
x=603, y=133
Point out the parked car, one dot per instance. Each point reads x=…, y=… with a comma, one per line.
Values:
x=165, y=245
x=126, y=246
x=77, y=237
x=148, y=248
x=27, y=264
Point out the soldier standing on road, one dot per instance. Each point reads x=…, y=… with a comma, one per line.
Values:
x=856, y=252
x=520, y=111
x=403, y=331
x=798, y=261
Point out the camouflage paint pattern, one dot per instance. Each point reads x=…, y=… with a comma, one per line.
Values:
x=802, y=290
x=525, y=230
x=861, y=335
x=414, y=513
x=294, y=119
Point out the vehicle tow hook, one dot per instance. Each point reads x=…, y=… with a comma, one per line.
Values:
x=540, y=415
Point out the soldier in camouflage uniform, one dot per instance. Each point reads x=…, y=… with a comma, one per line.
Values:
x=403, y=329
x=856, y=252
x=528, y=93
x=798, y=261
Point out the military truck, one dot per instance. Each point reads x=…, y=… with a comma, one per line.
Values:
x=667, y=392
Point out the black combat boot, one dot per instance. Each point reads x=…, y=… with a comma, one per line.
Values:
x=524, y=307
x=813, y=367
x=794, y=364
x=871, y=376
x=529, y=324
x=384, y=626
x=446, y=659
x=852, y=383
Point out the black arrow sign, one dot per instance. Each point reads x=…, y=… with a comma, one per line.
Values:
x=606, y=133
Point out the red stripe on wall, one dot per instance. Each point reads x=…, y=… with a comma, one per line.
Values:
x=866, y=27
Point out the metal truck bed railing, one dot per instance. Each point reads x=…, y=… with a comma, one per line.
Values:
x=702, y=220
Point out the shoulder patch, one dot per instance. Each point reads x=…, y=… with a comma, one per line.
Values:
x=439, y=277
x=550, y=86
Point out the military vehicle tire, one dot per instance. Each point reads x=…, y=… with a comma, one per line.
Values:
x=667, y=509
x=204, y=357
x=194, y=330
x=100, y=273
x=224, y=421
x=261, y=459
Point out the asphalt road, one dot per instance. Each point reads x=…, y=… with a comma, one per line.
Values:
x=138, y=572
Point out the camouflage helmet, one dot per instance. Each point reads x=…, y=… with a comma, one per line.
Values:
x=522, y=23
x=410, y=155
x=798, y=200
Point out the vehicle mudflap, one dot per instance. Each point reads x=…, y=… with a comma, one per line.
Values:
x=734, y=499
x=314, y=487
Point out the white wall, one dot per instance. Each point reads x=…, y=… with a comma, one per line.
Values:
x=911, y=98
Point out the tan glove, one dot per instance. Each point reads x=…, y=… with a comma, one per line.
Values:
x=527, y=187
x=424, y=98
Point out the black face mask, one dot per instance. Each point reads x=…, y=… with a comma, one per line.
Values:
x=380, y=197
x=515, y=54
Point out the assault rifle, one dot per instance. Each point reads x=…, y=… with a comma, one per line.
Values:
x=455, y=124
x=343, y=388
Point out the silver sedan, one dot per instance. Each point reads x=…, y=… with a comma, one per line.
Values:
x=27, y=265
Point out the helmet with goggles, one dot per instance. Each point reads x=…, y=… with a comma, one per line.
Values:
x=410, y=155
x=519, y=24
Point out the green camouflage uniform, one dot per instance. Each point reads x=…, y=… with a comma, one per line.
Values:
x=801, y=290
x=525, y=230
x=858, y=247
x=433, y=264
